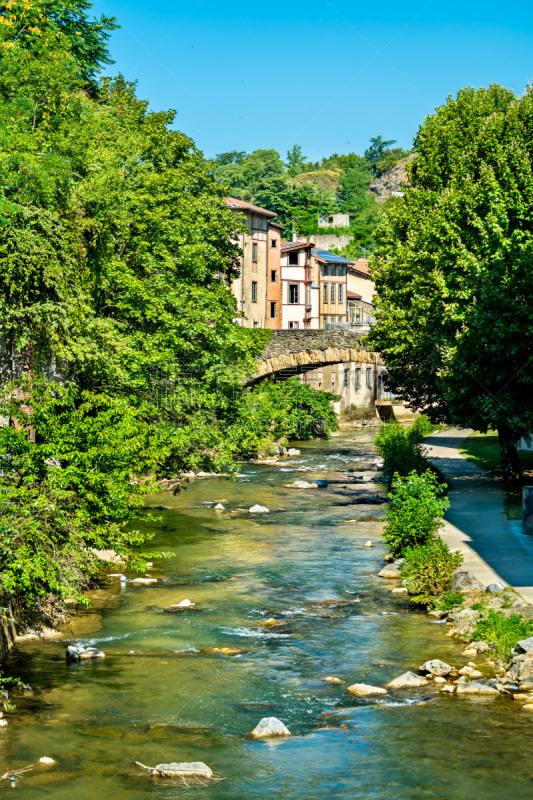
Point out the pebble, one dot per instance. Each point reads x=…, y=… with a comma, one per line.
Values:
x=365, y=690
x=219, y=507
x=368, y=544
x=522, y=697
x=469, y=652
x=336, y=681
x=47, y=760
x=439, y=679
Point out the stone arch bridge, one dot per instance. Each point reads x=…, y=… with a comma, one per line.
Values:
x=292, y=352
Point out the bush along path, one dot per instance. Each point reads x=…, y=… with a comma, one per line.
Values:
x=493, y=621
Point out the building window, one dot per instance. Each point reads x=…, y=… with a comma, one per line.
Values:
x=346, y=377
x=357, y=378
x=325, y=269
x=254, y=252
x=293, y=293
x=273, y=312
x=254, y=291
x=326, y=293
x=293, y=258
x=341, y=319
x=333, y=270
x=293, y=325
x=273, y=276
x=333, y=319
x=369, y=377
x=260, y=223
x=340, y=292
x=332, y=292
x=273, y=243
x=256, y=323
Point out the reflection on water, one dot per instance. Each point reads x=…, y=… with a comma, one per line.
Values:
x=163, y=693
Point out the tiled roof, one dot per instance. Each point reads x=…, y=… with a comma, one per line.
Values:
x=353, y=296
x=361, y=265
x=295, y=245
x=330, y=258
x=234, y=202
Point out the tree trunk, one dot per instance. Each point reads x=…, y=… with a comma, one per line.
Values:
x=511, y=465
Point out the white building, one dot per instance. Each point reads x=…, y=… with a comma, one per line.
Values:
x=299, y=288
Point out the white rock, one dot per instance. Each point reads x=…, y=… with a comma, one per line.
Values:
x=186, y=603
x=475, y=674
x=476, y=687
x=400, y=590
x=184, y=769
x=302, y=485
x=408, y=681
x=219, y=507
x=436, y=667
x=365, y=690
x=390, y=572
x=439, y=679
x=293, y=451
x=258, y=510
x=331, y=679
x=466, y=671
x=143, y=581
x=3, y=723
x=46, y=760
x=76, y=652
x=368, y=544
x=448, y=687
x=270, y=726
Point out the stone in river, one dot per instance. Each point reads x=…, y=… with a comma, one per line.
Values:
x=321, y=483
x=436, y=667
x=143, y=581
x=448, y=688
x=526, y=644
x=408, y=681
x=225, y=651
x=476, y=687
x=180, y=606
x=183, y=769
x=368, y=544
x=272, y=623
x=336, y=681
x=439, y=679
x=219, y=507
x=269, y=727
x=76, y=652
x=365, y=690
x=389, y=572
x=400, y=590
x=293, y=451
x=3, y=723
x=302, y=485
x=466, y=671
x=257, y=509
x=464, y=581
x=47, y=761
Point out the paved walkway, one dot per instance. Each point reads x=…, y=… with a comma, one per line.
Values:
x=493, y=547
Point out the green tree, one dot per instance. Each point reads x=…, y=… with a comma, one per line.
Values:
x=295, y=161
x=453, y=269
x=378, y=146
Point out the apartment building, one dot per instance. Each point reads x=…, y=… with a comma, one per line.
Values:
x=332, y=274
x=360, y=294
x=300, y=300
x=260, y=246
x=274, y=316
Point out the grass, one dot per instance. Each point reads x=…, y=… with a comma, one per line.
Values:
x=483, y=450
x=502, y=633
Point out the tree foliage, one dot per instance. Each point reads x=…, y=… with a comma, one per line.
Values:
x=453, y=269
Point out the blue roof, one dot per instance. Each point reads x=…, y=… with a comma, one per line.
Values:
x=330, y=258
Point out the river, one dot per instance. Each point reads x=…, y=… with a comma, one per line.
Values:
x=161, y=696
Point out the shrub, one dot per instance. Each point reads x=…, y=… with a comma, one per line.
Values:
x=414, y=512
x=401, y=454
x=449, y=600
x=428, y=570
x=502, y=633
x=421, y=427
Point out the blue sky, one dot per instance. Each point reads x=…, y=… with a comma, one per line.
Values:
x=325, y=75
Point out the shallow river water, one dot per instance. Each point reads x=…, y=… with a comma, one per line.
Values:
x=161, y=696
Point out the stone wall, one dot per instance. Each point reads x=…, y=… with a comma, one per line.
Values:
x=7, y=628
x=325, y=241
x=284, y=342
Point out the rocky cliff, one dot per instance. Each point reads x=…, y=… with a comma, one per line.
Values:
x=393, y=182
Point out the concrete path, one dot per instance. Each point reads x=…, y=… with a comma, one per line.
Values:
x=493, y=547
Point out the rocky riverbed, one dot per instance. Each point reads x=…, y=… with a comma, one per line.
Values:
x=287, y=615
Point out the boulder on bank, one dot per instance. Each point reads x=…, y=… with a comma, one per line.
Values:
x=526, y=644
x=436, y=667
x=494, y=588
x=465, y=581
x=76, y=652
x=408, y=681
x=365, y=690
x=269, y=727
x=521, y=667
x=477, y=687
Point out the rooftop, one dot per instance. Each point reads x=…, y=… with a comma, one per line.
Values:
x=330, y=258
x=241, y=205
x=295, y=245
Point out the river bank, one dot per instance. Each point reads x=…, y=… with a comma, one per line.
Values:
x=164, y=694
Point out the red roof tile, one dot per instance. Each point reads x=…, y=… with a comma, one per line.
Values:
x=353, y=296
x=234, y=202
